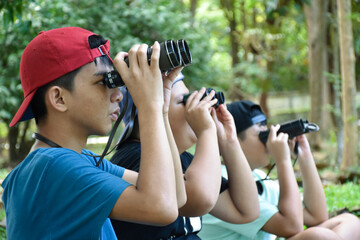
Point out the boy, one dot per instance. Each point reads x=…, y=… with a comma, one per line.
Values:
x=282, y=212
x=197, y=122
x=58, y=192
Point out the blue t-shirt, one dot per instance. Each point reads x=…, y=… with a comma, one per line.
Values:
x=57, y=193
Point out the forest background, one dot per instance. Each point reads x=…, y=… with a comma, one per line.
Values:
x=296, y=58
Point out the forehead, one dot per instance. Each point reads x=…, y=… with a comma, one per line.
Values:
x=179, y=88
x=97, y=68
x=256, y=128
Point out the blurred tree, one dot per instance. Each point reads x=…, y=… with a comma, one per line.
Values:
x=316, y=28
x=12, y=10
x=348, y=85
x=269, y=49
x=124, y=23
x=335, y=80
x=14, y=35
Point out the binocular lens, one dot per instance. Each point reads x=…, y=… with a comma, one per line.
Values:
x=169, y=55
x=172, y=54
x=184, y=52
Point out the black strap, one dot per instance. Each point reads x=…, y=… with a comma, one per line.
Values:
x=259, y=187
x=45, y=140
x=130, y=125
x=112, y=134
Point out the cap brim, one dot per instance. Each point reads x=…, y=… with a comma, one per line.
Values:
x=24, y=112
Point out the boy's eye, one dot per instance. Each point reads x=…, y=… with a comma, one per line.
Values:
x=101, y=82
x=180, y=99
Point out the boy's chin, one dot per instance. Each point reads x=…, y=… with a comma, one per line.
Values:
x=264, y=163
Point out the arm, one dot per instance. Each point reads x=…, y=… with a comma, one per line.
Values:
x=203, y=176
x=315, y=211
x=239, y=203
x=153, y=199
x=179, y=176
x=289, y=220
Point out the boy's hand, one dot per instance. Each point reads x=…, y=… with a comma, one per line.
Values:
x=197, y=113
x=278, y=145
x=303, y=148
x=225, y=125
x=167, y=84
x=143, y=80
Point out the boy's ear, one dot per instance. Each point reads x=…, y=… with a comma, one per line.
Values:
x=56, y=99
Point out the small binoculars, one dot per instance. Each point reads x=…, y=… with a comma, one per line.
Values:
x=218, y=95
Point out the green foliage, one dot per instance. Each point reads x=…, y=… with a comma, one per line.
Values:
x=13, y=40
x=250, y=77
x=342, y=196
x=124, y=23
x=279, y=65
x=12, y=10
x=2, y=233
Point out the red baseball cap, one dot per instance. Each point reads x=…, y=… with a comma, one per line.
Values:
x=51, y=55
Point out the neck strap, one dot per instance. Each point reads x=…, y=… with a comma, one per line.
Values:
x=45, y=140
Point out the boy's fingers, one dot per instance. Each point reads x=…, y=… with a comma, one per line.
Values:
x=142, y=55
x=155, y=56
x=199, y=95
x=190, y=98
x=209, y=96
x=133, y=61
x=174, y=73
x=272, y=134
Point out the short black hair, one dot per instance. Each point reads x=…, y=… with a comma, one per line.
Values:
x=96, y=41
x=66, y=81
x=37, y=104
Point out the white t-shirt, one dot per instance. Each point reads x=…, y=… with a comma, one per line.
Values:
x=214, y=228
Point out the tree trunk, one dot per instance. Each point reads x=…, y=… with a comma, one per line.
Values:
x=19, y=145
x=347, y=56
x=193, y=6
x=230, y=14
x=13, y=133
x=326, y=114
x=316, y=28
x=243, y=20
x=336, y=86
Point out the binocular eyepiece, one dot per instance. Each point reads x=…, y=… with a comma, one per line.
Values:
x=172, y=54
x=218, y=95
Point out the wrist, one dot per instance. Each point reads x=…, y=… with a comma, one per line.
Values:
x=229, y=144
x=209, y=132
x=283, y=162
x=150, y=108
x=149, y=114
x=305, y=156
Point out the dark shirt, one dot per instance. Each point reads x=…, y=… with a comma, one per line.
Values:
x=128, y=156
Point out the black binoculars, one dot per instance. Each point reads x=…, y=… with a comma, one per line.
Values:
x=172, y=54
x=218, y=95
x=294, y=128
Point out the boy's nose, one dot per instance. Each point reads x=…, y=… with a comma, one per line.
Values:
x=117, y=95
